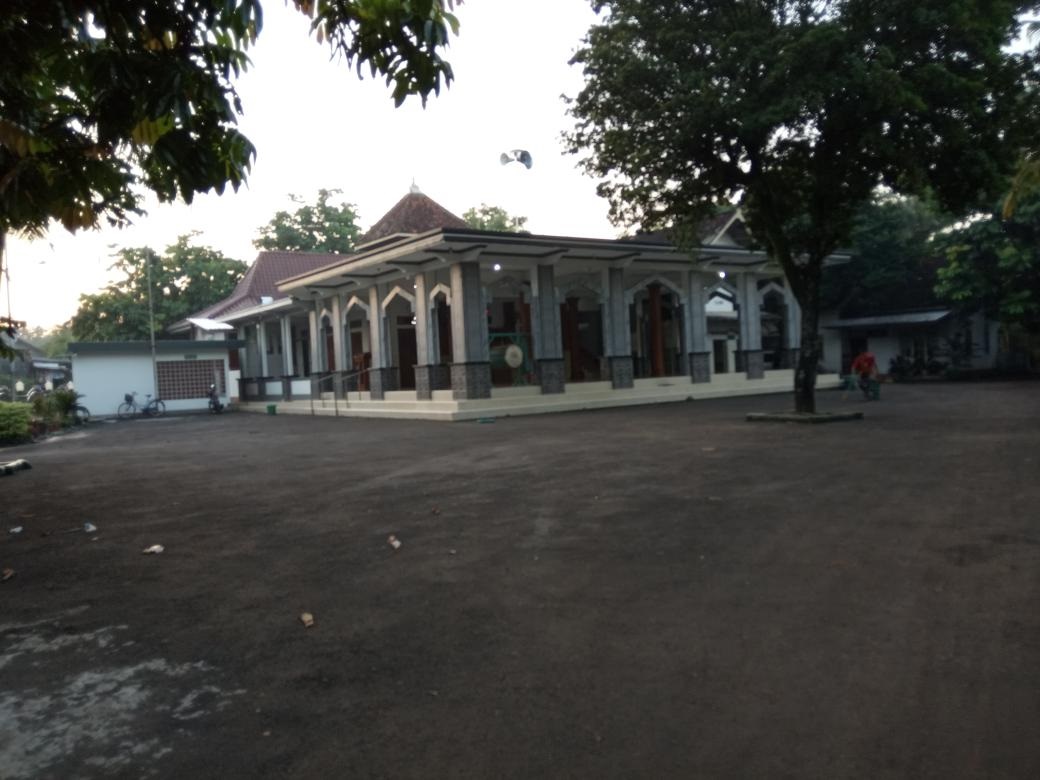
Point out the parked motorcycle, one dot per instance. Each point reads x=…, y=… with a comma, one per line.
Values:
x=215, y=406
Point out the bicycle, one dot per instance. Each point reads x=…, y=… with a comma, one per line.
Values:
x=152, y=408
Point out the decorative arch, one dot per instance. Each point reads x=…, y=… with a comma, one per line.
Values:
x=721, y=286
x=630, y=293
x=772, y=286
x=351, y=303
x=398, y=291
x=439, y=288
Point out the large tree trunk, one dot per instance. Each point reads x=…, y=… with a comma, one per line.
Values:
x=811, y=345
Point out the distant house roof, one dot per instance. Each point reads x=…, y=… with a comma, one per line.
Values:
x=19, y=344
x=895, y=318
x=414, y=213
x=175, y=346
x=260, y=281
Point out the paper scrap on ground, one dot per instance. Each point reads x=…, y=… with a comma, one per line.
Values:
x=155, y=549
x=307, y=619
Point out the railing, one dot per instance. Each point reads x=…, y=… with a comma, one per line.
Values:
x=317, y=383
x=329, y=380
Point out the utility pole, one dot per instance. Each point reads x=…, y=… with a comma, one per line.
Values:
x=151, y=328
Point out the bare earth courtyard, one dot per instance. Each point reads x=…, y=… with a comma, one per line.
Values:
x=650, y=592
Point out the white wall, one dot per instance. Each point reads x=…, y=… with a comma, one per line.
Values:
x=831, y=349
x=885, y=348
x=104, y=378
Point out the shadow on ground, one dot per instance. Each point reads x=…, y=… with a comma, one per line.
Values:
x=656, y=592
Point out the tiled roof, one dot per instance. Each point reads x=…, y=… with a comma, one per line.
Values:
x=414, y=213
x=262, y=278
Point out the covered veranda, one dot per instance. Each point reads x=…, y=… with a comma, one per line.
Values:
x=456, y=323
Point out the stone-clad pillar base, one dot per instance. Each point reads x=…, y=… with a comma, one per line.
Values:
x=550, y=373
x=700, y=366
x=470, y=380
x=753, y=361
x=621, y=375
x=789, y=358
x=382, y=381
x=436, y=376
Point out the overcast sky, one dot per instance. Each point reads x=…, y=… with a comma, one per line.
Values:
x=316, y=125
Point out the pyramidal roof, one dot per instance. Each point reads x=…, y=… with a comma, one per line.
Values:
x=414, y=213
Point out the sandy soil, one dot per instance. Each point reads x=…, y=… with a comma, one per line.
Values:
x=657, y=592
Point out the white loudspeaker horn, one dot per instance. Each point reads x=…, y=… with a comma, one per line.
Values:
x=521, y=156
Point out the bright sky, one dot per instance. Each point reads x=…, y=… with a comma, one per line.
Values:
x=315, y=125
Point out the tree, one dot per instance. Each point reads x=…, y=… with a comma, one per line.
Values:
x=895, y=259
x=994, y=265
x=318, y=228
x=101, y=98
x=799, y=110
x=487, y=217
x=185, y=279
x=53, y=342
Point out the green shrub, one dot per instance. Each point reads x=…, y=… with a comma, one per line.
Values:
x=14, y=422
x=55, y=408
x=62, y=400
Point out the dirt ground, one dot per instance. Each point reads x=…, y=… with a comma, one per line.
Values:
x=656, y=592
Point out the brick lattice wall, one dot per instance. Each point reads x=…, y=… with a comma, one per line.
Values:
x=189, y=378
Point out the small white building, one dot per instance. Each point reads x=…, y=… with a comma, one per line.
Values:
x=106, y=371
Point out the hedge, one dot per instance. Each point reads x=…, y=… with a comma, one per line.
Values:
x=14, y=422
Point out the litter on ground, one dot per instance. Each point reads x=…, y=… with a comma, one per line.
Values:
x=155, y=549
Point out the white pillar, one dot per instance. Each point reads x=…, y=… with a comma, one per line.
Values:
x=261, y=345
x=287, y=345
x=545, y=314
x=378, y=337
x=243, y=351
x=750, y=313
x=469, y=332
x=338, y=353
x=425, y=327
x=793, y=328
x=695, y=314
x=314, y=323
x=617, y=338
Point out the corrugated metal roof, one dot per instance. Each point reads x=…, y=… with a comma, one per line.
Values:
x=897, y=318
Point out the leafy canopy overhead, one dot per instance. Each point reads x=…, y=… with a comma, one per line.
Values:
x=995, y=265
x=487, y=217
x=185, y=279
x=103, y=99
x=799, y=110
x=322, y=227
x=895, y=259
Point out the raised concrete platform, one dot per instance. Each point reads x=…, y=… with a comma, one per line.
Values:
x=515, y=401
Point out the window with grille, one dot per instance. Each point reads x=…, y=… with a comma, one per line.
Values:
x=189, y=378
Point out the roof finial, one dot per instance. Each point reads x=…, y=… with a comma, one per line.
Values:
x=414, y=189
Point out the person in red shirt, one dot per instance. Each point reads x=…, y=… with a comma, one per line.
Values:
x=865, y=366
